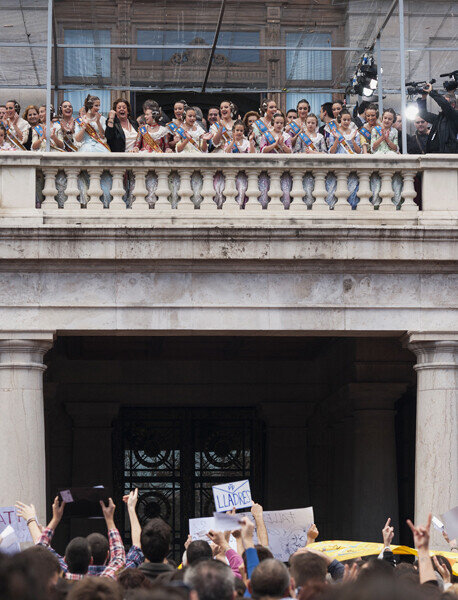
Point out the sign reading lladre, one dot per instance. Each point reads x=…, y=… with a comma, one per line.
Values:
x=232, y=495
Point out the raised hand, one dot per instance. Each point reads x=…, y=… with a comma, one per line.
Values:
x=25, y=511
x=108, y=512
x=312, y=533
x=57, y=509
x=388, y=533
x=443, y=571
x=421, y=533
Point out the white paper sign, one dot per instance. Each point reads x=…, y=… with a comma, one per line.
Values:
x=451, y=523
x=287, y=529
x=225, y=522
x=8, y=541
x=232, y=495
x=437, y=524
x=8, y=516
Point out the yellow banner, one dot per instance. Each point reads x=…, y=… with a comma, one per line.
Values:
x=346, y=550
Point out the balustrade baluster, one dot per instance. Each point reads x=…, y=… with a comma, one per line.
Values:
x=94, y=192
x=253, y=192
x=208, y=191
x=275, y=191
x=185, y=191
x=319, y=191
x=117, y=189
x=342, y=191
x=140, y=191
x=50, y=189
x=230, y=189
x=386, y=191
x=162, y=190
x=408, y=191
x=297, y=192
x=72, y=190
x=364, y=192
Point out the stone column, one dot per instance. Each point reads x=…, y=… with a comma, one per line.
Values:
x=436, y=461
x=375, y=486
x=22, y=427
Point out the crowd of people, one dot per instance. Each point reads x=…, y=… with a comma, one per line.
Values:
x=98, y=568
x=335, y=131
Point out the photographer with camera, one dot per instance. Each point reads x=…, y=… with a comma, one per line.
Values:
x=442, y=138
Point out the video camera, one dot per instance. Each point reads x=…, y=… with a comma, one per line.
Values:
x=417, y=87
x=450, y=86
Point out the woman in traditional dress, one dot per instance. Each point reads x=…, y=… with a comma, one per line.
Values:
x=67, y=123
x=248, y=120
x=365, y=131
x=239, y=143
x=90, y=129
x=311, y=140
x=299, y=123
x=384, y=138
x=152, y=137
x=193, y=138
x=17, y=128
x=277, y=141
x=39, y=135
x=268, y=110
x=222, y=129
x=344, y=138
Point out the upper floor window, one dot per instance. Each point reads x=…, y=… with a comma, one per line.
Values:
x=87, y=62
x=308, y=65
x=194, y=38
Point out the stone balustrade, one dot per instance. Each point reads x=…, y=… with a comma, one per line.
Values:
x=64, y=184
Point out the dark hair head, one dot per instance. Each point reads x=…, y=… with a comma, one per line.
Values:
x=17, y=106
x=344, y=111
x=240, y=587
x=95, y=588
x=264, y=104
x=262, y=551
x=312, y=116
x=279, y=114
x=19, y=580
x=291, y=110
x=327, y=107
x=212, y=580
x=59, y=109
x=198, y=550
x=100, y=549
x=376, y=569
x=391, y=111
x=238, y=122
x=213, y=108
x=89, y=102
x=162, y=592
x=26, y=111
x=338, y=102
x=301, y=102
x=134, y=579
x=188, y=109
x=306, y=566
x=41, y=563
x=155, y=540
x=372, y=106
x=270, y=578
x=126, y=102
x=183, y=102
x=149, y=104
x=78, y=556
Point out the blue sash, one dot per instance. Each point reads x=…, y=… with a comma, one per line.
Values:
x=378, y=129
x=182, y=133
x=263, y=129
x=225, y=133
x=342, y=141
x=307, y=141
x=39, y=130
x=294, y=127
x=366, y=133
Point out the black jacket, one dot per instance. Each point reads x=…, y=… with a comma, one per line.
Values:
x=115, y=135
x=153, y=570
x=442, y=137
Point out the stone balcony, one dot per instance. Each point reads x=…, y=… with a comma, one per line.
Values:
x=243, y=190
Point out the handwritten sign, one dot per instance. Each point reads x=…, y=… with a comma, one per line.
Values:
x=232, y=495
x=8, y=516
x=199, y=527
x=8, y=541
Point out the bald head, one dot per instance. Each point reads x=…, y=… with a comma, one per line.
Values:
x=270, y=579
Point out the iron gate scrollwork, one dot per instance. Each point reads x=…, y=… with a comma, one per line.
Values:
x=175, y=456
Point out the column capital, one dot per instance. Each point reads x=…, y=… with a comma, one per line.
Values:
x=434, y=350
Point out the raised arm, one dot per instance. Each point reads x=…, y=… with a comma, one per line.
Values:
x=29, y=514
x=258, y=513
x=48, y=532
x=117, y=552
x=421, y=539
x=135, y=556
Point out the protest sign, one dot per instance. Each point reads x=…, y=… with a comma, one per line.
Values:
x=437, y=524
x=225, y=522
x=451, y=523
x=8, y=516
x=9, y=543
x=199, y=527
x=232, y=495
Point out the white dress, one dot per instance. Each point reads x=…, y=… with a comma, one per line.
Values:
x=55, y=128
x=222, y=144
x=89, y=144
x=195, y=133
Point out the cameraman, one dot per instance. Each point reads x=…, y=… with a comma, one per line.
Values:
x=442, y=138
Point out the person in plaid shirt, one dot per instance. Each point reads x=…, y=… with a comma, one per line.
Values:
x=77, y=561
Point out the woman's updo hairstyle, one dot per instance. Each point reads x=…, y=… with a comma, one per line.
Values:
x=89, y=102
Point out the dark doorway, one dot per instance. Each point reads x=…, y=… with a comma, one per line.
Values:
x=174, y=456
x=244, y=102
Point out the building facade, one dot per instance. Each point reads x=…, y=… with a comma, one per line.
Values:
x=174, y=344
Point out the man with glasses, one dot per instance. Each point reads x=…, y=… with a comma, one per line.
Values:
x=416, y=143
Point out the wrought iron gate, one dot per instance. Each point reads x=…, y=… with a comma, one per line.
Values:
x=174, y=456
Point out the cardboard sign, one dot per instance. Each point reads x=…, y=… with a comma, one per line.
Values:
x=8, y=516
x=232, y=495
